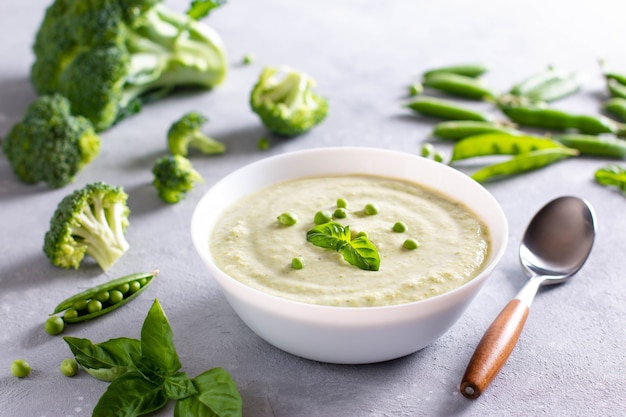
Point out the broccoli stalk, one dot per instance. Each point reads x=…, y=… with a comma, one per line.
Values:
x=90, y=221
x=174, y=176
x=186, y=133
x=287, y=106
x=109, y=56
x=49, y=144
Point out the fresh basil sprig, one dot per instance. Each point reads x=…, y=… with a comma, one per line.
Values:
x=145, y=375
x=359, y=251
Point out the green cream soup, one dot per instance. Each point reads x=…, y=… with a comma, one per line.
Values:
x=252, y=246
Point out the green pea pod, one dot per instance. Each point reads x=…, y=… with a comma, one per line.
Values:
x=469, y=70
x=619, y=77
x=556, y=88
x=459, y=85
x=499, y=144
x=550, y=118
x=612, y=176
x=617, y=107
x=616, y=89
x=534, y=81
x=445, y=109
x=461, y=129
x=594, y=145
x=523, y=163
x=140, y=280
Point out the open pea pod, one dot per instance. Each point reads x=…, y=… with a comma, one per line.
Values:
x=126, y=288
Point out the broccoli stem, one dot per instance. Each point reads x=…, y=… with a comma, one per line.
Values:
x=104, y=243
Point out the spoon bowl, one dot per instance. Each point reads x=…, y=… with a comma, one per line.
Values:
x=556, y=244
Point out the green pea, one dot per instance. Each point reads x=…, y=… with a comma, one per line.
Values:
x=287, y=219
x=124, y=288
x=371, y=209
x=399, y=227
x=143, y=281
x=102, y=296
x=469, y=70
x=322, y=216
x=297, y=263
x=68, y=367
x=340, y=213
x=427, y=150
x=70, y=313
x=499, y=144
x=459, y=85
x=523, y=162
x=116, y=296
x=416, y=89
x=438, y=157
x=461, y=129
x=134, y=287
x=80, y=304
x=54, y=325
x=445, y=109
x=20, y=368
x=342, y=203
x=247, y=59
x=410, y=244
x=263, y=144
x=94, y=306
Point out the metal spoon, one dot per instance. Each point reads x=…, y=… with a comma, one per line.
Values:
x=556, y=244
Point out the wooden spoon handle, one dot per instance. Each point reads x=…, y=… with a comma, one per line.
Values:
x=494, y=348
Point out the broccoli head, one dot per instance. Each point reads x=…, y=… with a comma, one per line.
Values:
x=49, y=144
x=109, y=56
x=186, y=133
x=90, y=221
x=287, y=104
x=174, y=176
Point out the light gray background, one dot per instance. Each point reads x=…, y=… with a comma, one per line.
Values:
x=571, y=356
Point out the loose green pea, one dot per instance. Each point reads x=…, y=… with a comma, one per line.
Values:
x=134, y=286
x=371, y=209
x=340, y=213
x=416, y=89
x=102, y=296
x=68, y=367
x=427, y=150
x=80, y=305
x=287, y=219
x=410, y=244
x=438, y=157
x=342, y=203
x=20, y=368
x=247, y=59
x=94, y=306
x=263, y=144
x=115, y=296
x=70, y=314
x=54, y=325
x=399, y=227
x=322, y=216
x=297, y=263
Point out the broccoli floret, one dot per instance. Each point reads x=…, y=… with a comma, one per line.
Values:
x=174, y=176
x=90, y=221
x=287, y=105
x=49, y=144
x=186, y=133
x=109, y=56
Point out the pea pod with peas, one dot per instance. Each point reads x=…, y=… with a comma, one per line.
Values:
x=548, y=85
x=103, y=298
x=499, y=144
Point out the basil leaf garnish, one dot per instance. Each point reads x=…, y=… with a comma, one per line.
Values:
x=179, y=386
x=217, y=397
x=360, y=252
x=130, y=395
x=157, y=344
x=107, y=360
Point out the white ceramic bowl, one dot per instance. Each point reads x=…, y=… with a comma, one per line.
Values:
x=348, y=335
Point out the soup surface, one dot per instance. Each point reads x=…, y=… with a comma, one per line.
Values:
x=252, y=246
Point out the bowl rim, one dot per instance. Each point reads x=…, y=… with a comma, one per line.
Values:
x=201, y=242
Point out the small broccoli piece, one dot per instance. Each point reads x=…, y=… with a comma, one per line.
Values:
x=186, y=133
x=174, y=176
x=90, y=221
x=109, y=56
x=49, y=144
x=287, y=106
